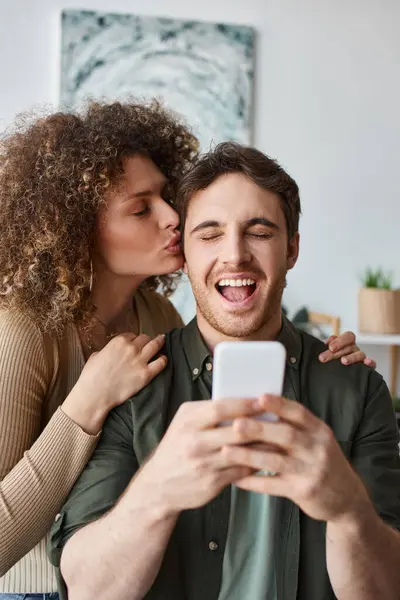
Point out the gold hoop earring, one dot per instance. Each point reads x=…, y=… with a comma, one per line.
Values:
x=91, y=276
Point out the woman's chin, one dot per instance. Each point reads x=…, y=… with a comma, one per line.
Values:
x=174, y=264
x=170, y=266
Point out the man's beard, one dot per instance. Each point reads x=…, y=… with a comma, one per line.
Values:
x=236, y=326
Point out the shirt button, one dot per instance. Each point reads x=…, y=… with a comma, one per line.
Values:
x=209, y=366
x=213, y=546
x=58, y=517
x=195, y=371
x=293, y=360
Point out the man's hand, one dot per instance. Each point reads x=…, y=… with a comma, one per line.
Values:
x=311, y=469
x=188, y=469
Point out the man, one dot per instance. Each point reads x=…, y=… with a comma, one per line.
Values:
x=157, y=516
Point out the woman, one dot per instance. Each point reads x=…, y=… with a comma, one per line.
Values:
x=87, y=235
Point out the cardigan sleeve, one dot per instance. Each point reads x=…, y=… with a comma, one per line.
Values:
x=38, y=466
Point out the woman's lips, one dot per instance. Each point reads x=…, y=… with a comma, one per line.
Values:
x=174, y=247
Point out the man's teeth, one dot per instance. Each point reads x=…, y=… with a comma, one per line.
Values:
x=236, y=282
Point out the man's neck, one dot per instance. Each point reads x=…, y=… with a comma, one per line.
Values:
x=268, y=332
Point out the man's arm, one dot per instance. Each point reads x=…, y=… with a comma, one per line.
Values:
x=363, y=558
x=113, y=547
x=104, y=479
x=363, y=553
x=363, y=549
x=119, y=554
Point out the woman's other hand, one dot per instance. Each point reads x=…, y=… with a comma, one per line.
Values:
x=345, y=347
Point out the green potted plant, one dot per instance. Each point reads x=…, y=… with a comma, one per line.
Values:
x=378, y=303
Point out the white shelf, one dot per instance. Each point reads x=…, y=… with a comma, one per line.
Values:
x=378, y=339
x=392, y=343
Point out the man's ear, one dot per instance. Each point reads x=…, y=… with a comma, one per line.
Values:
x=293, y=251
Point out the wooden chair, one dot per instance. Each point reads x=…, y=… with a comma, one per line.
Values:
x=323, y=319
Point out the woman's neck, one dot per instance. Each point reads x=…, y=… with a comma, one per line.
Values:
x=112, y=296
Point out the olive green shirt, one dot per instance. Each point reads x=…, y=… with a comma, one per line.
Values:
x=354, y=401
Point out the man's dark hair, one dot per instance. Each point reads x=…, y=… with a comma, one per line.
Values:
x=231, y=157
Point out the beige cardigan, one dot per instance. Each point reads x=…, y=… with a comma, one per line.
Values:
x=42, y=451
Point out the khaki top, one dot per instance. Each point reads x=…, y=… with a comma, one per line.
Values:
x=354, y=401
x=42, y=451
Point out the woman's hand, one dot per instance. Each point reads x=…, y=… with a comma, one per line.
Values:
x=120, y=370
x=344, y=347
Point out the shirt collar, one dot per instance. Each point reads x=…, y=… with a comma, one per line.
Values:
x=197, y=353
x=290, y=337
x=199, y=356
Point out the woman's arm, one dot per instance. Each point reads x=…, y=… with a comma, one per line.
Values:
x=38, y=467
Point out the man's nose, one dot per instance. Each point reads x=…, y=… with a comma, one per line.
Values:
x=235, y=250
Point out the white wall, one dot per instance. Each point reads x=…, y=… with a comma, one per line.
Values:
x=327, y=106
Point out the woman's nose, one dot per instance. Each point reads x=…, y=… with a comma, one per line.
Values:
x=169, y=218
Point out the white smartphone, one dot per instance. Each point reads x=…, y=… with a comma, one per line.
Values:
x=248, y=370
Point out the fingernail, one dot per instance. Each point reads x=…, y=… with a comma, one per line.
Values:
x=345, y=360
x=322, y=357
x=161, y=336
x=333, y=347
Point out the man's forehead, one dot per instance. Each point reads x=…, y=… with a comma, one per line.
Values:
x=234, y=203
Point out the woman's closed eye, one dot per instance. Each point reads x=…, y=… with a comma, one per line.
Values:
x=140, y=213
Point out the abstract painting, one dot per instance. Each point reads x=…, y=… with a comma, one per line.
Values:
x=204, y=71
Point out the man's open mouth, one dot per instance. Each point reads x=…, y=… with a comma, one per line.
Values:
x=236, y=290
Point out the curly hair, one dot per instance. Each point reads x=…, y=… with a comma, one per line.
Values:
x=54, y=173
